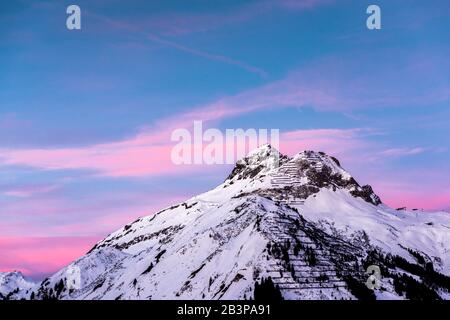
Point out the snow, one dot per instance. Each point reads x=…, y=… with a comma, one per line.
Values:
x=14, y=283
x=214, y=245
x=388, y=228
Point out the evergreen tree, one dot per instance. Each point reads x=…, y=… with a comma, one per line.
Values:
x=267, y=291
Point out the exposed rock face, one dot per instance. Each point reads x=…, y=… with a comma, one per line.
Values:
x=261, y=160
x=298, y=177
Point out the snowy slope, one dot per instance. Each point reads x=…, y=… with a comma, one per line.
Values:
x=389, y=229
x=302, y=221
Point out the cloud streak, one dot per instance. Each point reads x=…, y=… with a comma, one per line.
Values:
x=26, y=191
x=210, y=56
x=134, y=28
x=399, y=152
x=177, y=25
x=185, y=23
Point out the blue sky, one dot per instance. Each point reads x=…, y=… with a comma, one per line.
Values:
x=73, y=104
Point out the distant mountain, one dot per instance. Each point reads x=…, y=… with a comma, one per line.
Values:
x=14, y=285
x=301, y=227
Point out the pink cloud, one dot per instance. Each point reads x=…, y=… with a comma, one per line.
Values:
x=124, y=158
x=148, y=153
x=35, y=256
x=30, y=190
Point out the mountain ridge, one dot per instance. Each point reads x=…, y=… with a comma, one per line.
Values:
x=303, y=221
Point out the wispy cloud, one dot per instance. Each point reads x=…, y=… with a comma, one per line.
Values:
x=29, y=190
x=406, y=152
x=133, y=28
x=210, y=56
x=148, y=154
x=399, y=152
x=176, y=24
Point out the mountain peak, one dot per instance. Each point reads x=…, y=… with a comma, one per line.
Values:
x=260, y=160
x=265, y=148
x=295, y=179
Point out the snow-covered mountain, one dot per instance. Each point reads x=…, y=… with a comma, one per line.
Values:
x=304, y=222
x=13, y=285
